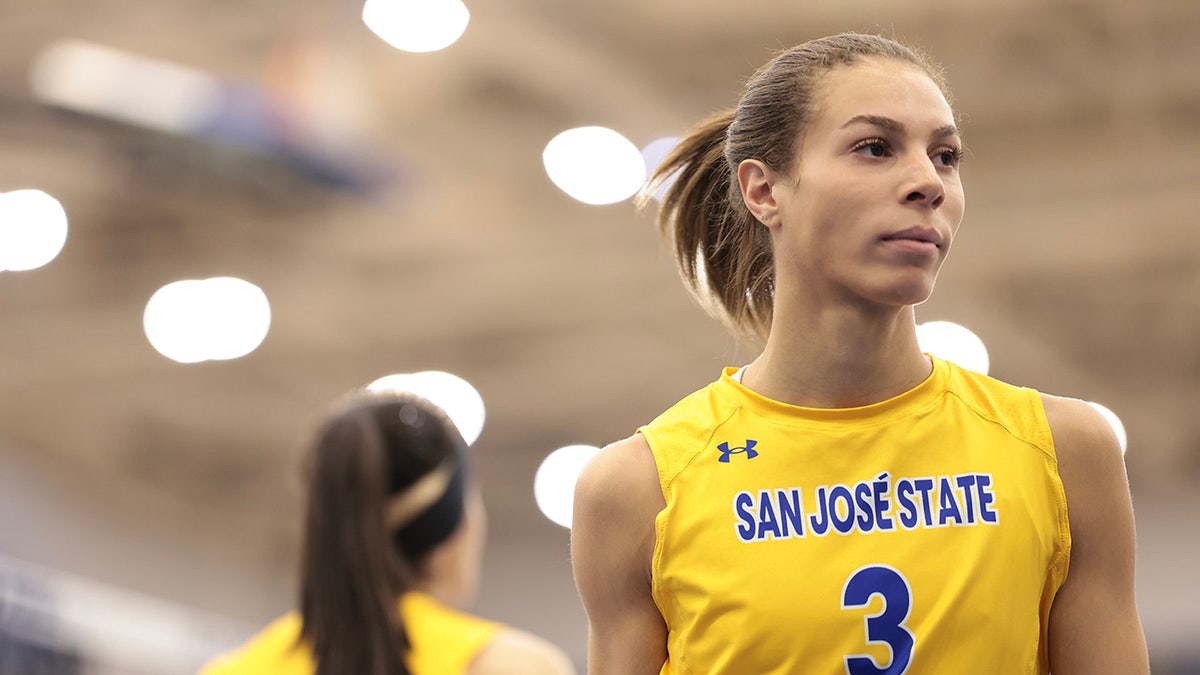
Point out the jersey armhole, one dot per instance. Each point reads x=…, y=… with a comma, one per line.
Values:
x=1060, y=563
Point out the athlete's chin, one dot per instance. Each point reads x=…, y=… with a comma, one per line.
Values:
x=909, y=299
x=913, y=292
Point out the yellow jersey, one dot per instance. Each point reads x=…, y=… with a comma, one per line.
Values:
x=923, y=534
x=444, y=642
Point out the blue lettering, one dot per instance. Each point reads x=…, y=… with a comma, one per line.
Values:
x=846, y=524
x=874, y=505
x=862, y=498
x=965, y=482
x=791, y=512
x=908, y=510
x=767, y=524
x=925, y=486
x=986, y=514
x=948, y=504
x=881, y=502
x=742, y=502
x=820, y=521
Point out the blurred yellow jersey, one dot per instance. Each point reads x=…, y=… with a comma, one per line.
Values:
x=444, y=642
x=924, y=534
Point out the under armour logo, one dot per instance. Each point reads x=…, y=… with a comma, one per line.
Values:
x=748, y=449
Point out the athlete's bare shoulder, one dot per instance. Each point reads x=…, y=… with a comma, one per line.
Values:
x=620, y=482
x=1081, y=435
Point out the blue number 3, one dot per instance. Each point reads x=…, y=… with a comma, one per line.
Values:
x=887, y=627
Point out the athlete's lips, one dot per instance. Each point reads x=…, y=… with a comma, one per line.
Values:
x=927, y=235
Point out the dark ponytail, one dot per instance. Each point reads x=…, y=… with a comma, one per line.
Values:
x=724, y=254
x=350, y=575
x=353, y=568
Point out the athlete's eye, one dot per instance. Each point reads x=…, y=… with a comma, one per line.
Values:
x=872, y=147
x=949, y=157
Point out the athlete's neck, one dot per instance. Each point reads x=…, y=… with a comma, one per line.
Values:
x=839, y=360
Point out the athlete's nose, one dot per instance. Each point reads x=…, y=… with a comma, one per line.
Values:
x=925, y=184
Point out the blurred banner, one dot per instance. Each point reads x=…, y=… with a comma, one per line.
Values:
x=57, y=624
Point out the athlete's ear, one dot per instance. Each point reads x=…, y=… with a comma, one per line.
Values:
x=755, y=179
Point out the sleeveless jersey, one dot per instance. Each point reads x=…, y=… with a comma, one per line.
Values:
x=923, y=534
x=444, y=642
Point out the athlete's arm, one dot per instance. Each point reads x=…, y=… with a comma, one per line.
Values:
x=612, y=542
x=1094, y=624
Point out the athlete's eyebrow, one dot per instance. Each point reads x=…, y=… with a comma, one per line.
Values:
x=945, y=131
x=889, y=124
x=886, y=123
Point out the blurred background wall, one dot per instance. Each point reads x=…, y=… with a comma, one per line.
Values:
x=394, y=209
